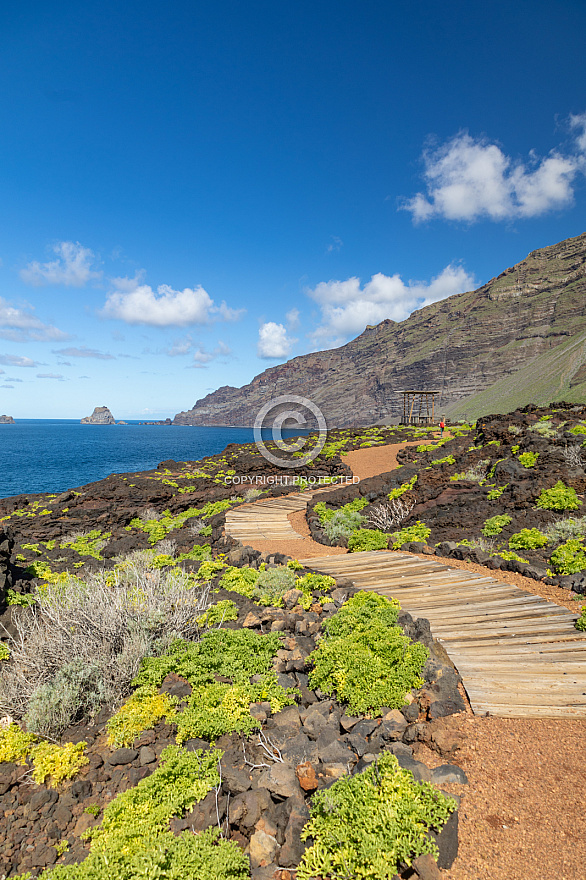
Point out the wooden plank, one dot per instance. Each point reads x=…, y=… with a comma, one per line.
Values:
x=452, y=645
x=505, y=609
x=466, y=599
x=552, y=653
x=573, y=672
x=455, y=612
x=487, y=635
x=512, y=681
x=528, y=711
x=438, y=579
x=522, y=696
x=491, y=621
x=503, y=692
x=388, y=578
x=434, y=597
x=386, y=559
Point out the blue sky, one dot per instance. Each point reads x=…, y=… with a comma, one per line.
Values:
x=192, y=192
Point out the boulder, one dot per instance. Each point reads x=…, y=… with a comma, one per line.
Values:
x=293, y=848
x=280, y=780
x=262, y=849
x=307, y=776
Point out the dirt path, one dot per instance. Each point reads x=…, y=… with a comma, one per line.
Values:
x=522, y=812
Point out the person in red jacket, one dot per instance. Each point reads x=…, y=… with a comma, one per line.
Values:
x=442, y=426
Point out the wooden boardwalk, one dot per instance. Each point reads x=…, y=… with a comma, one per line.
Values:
x=266, y=520
x=518, y=654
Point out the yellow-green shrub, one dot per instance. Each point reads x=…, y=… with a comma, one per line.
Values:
x=569, y=558
x=218, y=613
x=559, y=497
x=528, y=539
x=368, y=825
x=15, y=744
x=417, y=532
x=57, y=762
x=133, y=839
x=365, y=659
x=140, y=712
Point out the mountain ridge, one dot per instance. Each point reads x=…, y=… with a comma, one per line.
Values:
x=460, y=346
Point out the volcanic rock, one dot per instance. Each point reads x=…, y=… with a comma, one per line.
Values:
x=100, y=416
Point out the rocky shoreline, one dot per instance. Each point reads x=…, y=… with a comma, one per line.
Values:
x=171, y=521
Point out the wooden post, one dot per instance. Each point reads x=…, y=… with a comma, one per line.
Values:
x=411, y=410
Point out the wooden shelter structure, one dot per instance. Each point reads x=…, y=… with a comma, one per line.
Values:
x=418, y=407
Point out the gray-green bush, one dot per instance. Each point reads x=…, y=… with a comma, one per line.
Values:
x=343, y=523
x=272, y=582
x=82, y=643
x=76, y=691
x=563, y=529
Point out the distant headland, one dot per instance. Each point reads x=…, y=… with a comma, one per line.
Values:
x=6, y=420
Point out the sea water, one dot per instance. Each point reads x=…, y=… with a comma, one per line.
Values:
x=46, y=455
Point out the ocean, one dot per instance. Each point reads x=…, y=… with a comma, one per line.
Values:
x=46, y=455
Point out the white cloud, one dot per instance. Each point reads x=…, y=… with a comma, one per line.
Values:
x=292, y=317
x=14, y=360
x=347, y=307
x=49, y=376
x=201, y=357
x=180, y=346
x=84, y=352
x=470, y=178
x=228, y=314
x=73, y=267
x=137, y=303
x=22, y=325
x=578, y=123
x=334, y=245
x=164, y=308
x=273, y=341
x=6, y=386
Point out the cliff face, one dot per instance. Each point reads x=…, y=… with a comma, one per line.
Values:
x=100, y=416
x=459, y=346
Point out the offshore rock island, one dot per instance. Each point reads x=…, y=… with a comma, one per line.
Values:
x=518, y=339
x=6, y=420
x=100, y=416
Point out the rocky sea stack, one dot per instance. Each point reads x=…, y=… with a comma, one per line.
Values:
x=100, y=416
x=6, y=420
